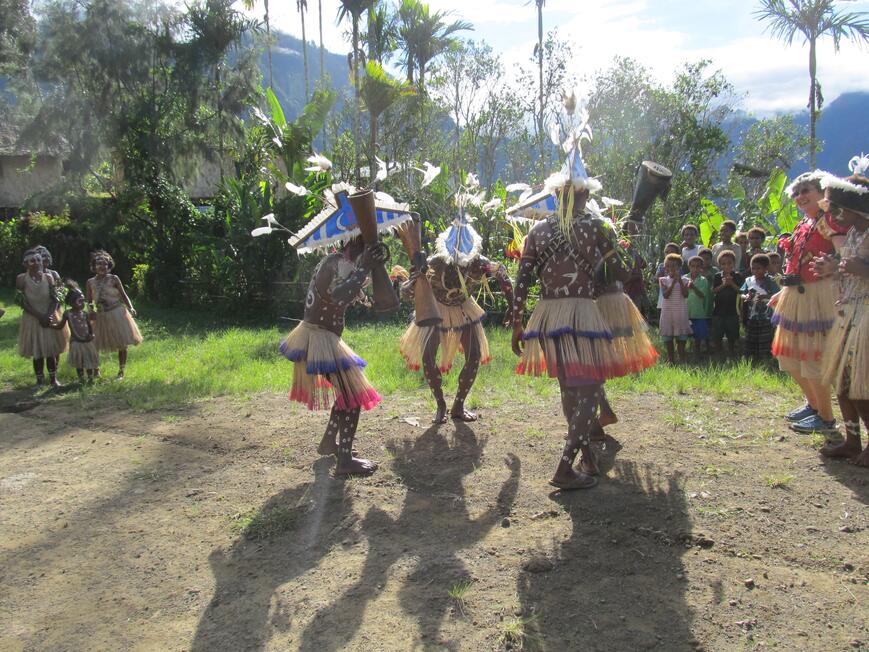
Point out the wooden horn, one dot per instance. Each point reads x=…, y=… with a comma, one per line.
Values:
x=425, y=305
x=653, y=181
x=362, y=203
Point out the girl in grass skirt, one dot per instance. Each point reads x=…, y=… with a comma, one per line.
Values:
x=115, y=327
x=846, y=359
x=83, y=355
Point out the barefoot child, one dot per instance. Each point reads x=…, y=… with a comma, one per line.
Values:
x=115, y=327
x=36, y=339
x=690, y=246
x=661, y=270
x=699, y=304
x=846, y=359
x=756, y=292
x=674, y=323
x=726, y=233
x=83, y=355
x=725, y=290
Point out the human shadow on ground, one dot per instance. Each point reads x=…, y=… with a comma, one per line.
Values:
x=856, y=478
x=617, y=583
x=432, y=528
x=288, y=536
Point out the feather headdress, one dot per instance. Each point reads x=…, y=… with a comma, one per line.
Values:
x=814, y=177
x=851, y=193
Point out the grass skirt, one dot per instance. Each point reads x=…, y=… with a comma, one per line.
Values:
x=631, y=343
x=34, y=341
x=326, y=371
x=846, y=359
x=115, y=330
x=83, y=355
x=803, y=321
x=455, y=320
x=568, y=339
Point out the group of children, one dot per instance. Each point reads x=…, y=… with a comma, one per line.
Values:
x=45, y=332
x=707, y=295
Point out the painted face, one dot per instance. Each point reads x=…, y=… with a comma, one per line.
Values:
x=807, y=197
x=695, y=267
x=758, y=270
x=101, y=265
x=78, y=301
x=33, y=263
x=726, y=264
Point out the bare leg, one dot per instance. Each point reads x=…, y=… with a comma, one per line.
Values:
x=823, y=400
x=329, y=443
x=808, y=391
x=607, y=414
x=671, y=352
x=580, y=404
x=433, y=377
x=680, y=344
x=122, y=362
x=468, y=375
x=347, y=464
x=39, y=370
x=863, y=409
x=51, y=363
x=80, y=374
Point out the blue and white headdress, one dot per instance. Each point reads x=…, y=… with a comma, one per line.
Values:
x=460, y=242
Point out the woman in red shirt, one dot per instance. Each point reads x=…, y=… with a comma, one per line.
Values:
x=805, y=308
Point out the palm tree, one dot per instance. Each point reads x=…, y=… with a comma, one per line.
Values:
x=248, y=4
x=379, y=92
x=302, y=6
x=813, y=19
x=424, y=36
x=380, y=37
x=322, y=49
x=355, y=9
x=539, y=49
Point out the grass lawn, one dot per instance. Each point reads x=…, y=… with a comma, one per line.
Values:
x=189, y=355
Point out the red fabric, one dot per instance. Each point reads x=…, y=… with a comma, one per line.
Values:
x=809, y=241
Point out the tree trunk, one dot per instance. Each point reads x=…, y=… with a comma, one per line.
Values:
x=372, y=147
x=813, y=101
x=356, y=107
x=269, y=37
x=305, y=53
x=540, y=68
x=322, y=49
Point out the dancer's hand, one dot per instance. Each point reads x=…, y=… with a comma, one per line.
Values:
x=773, y=300
x=823, y=266
x=855, y=266
x=516, y=340
x=373, y=255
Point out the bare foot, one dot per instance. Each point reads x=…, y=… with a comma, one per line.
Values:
x=608, y=419
x=845, y=449
x=588, y=464
x=327, y=446
x=863, y=459
x=356, y=466
x=571, y=480
x=597, y=433
x=460, y=413
x=441, y=414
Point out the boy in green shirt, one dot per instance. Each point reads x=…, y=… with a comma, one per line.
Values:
x=699, y=303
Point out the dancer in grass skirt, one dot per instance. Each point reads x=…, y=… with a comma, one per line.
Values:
x=83, y=354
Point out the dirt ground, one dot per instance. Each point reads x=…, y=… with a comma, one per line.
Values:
x=218, y=528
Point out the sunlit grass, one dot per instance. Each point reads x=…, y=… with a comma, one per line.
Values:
x=188, y=355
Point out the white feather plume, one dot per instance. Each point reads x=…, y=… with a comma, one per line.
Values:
x=299, y=191
x=319, y=163
x=262, y=230
x=859, y=165
x=472, y=181
x=517, y=187
x=270, y=219
x=430, y=173
x=492, y=204
x=381, y=170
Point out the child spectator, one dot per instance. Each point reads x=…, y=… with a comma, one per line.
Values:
x=775, y=266
x=741, y=239
x=690, y=246
x=726, y=232
x=699, y=303
x=756, y=236
x=674, y=324
x=756, y=292
x=725, y=288
x=709, y=269
x=660, y=271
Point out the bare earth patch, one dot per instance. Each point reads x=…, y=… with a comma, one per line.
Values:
x=217, y=528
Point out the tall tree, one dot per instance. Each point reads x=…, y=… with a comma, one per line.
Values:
x=538, y=50
x=302, y=6
x=381, y=36
x=813, y=19
x=354, y=9
x=424, y=36
x=248, y=4
x=322, y=49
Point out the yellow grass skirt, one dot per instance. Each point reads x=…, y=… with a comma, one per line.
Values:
x=455, y=320
x=116, y=329
x=802, y=322
x=846, y=359
x=569, y=339
x=631, y=342
x=83, y=355
x=34, y=341
x=326, y=371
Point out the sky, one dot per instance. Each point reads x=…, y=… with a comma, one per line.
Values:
x=769, y=76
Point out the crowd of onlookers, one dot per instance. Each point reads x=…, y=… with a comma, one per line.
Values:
x=709, y=295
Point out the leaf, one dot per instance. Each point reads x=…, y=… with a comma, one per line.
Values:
x=277, y=112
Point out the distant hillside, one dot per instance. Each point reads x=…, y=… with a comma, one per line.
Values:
x=288, y=71
x=842, y=129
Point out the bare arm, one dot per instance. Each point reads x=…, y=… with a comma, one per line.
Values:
x=124, y=296
x=60, y=324
x=499, y=272
x=668, y=289
x=524, y=280
x=610, y=249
